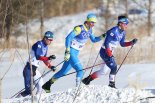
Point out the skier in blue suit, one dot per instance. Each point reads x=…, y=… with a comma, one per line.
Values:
x=38, y=53
x=75, y=41
x=114, y=36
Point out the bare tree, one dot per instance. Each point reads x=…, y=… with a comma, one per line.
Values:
x=107, y=13
x=61, y=5
x=8, y=20
x=0, y=22
x=126, y=7
x=148, y=7
x=41, y=17
x=149, y=17
x=82, y=5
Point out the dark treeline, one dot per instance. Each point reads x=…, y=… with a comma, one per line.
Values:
x=13, y=12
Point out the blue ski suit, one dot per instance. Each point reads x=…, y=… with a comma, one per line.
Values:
x=114, y=36
x=39, y=49
x=75, y=42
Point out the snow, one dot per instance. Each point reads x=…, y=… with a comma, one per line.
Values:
x=90, y=94
x=134, y=81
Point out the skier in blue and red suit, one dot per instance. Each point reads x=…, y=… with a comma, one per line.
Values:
x=74, y=43
x=38, y=53
x=114, y=36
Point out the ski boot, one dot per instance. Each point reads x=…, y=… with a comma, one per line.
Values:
x=47, y=85
x=87, y=80
x=23, y=94
x=112, y=84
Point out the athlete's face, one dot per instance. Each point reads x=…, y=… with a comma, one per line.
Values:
x=48, y=41
x=123, y=26
x=90, y=24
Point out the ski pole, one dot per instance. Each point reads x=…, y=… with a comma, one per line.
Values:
x=82, y=77
x=50, y=70
x=150, y=97
x=17, y=93
x=124, y=59
x=62, y=75
x=37, y=79
x=45, y=74
x=81, y=70
x=94, y=64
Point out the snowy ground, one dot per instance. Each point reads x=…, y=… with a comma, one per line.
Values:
x=90, y=94
x=131, y=81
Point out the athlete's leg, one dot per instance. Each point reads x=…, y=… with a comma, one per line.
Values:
x=65, y=68
x=76, y=64
x=27, y=79
x=110, y=62
x=63, y=71
x=103, y=70
x=38, y=81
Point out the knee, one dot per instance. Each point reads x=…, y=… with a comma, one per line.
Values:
x=113, y=70
x=80, y=72
x=59, y=74
x=103, y=70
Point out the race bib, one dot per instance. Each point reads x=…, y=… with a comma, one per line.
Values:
x=34, y=61
x=77, y=45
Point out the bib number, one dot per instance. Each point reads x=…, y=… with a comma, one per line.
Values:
x=77, y=45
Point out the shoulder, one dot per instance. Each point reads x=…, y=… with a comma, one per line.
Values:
x=38, y=44
x=113, y=31
x=78, y=29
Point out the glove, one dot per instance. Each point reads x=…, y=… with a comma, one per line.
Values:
x=67, y=55
x=51, y=57
x=103, y=36
x=53, y=68
x=134, y=41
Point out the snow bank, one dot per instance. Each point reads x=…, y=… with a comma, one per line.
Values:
x=90, y=94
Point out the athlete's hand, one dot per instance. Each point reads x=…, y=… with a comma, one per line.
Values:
x=67, y=55
x=51, y=57
x=103, y=35
x=134, y=41
x=53, y=68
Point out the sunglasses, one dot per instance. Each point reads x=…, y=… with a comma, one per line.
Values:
x=125, y=24
x=92, y=22
x=50, y=39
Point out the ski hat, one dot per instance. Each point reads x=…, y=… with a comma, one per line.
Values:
x=91, y=17
x=49, y=35
x=123, y=20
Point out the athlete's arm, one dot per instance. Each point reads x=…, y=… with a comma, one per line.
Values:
x=94, y=39
x=39, y=54
x=71, y=36
x=123, y=43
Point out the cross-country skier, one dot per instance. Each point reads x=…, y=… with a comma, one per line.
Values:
x=114, y=36
x=75, y=41
x=38, y=53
